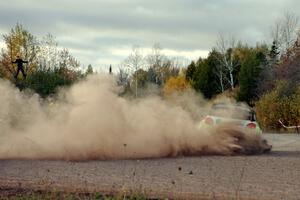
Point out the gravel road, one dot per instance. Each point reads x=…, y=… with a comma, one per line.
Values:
x=272, y=176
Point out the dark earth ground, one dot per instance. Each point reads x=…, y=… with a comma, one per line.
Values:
x=271, y=176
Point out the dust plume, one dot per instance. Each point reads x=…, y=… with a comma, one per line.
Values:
x=91, y=121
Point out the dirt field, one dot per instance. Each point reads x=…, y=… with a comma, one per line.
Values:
x=272, y=176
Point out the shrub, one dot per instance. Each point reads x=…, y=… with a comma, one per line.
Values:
x=279, y=104
x=176, y=85
x=46, y=82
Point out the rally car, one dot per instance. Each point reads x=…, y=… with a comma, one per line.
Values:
x=237, y=115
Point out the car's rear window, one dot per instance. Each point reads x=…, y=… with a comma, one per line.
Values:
x=233, y=112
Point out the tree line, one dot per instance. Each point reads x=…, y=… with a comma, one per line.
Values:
x=266, y=76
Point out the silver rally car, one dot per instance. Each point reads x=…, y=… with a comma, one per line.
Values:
x=237, y=115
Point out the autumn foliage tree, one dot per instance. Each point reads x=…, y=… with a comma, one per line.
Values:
x=175, y=85
x=282, y=103
x=278, y=105
x=289, y=67
x=48, y=67
x=19, y=41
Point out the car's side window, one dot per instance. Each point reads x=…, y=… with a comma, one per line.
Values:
x=253, y=117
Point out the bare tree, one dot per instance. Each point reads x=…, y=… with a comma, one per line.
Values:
x=51, y=57
x=134, y=62
x=122, y=77
x=155, y=58
x=225, y=46
x=67, y=60
x=155, y=61
x=49, y=53
x=220, y=75
x=284, y=31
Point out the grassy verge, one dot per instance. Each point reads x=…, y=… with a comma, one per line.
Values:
x=42, y=195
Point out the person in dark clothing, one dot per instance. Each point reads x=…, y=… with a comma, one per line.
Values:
x=19, y=63
x=110, y=70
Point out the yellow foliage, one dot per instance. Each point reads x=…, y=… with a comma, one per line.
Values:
x=19, y=42
x=176, y=84
x=227, y=94
x=274, y=106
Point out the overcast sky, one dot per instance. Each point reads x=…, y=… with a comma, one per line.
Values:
x=102, y=32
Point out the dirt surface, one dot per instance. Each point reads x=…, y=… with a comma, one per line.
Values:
x=272, y=176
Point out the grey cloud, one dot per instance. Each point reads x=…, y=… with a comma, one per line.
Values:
x=96, y=25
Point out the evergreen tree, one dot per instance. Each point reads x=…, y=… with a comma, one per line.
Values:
x=248, y=76
x=190, y=71
x=89, y=70
x=204, y=79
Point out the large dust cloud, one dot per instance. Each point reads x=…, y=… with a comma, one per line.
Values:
x=91, y=121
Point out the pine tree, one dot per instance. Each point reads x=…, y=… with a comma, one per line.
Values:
x=190, y=71
x=204, y=78
x=274, y=53
x=248, y=76
x=89, y=70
